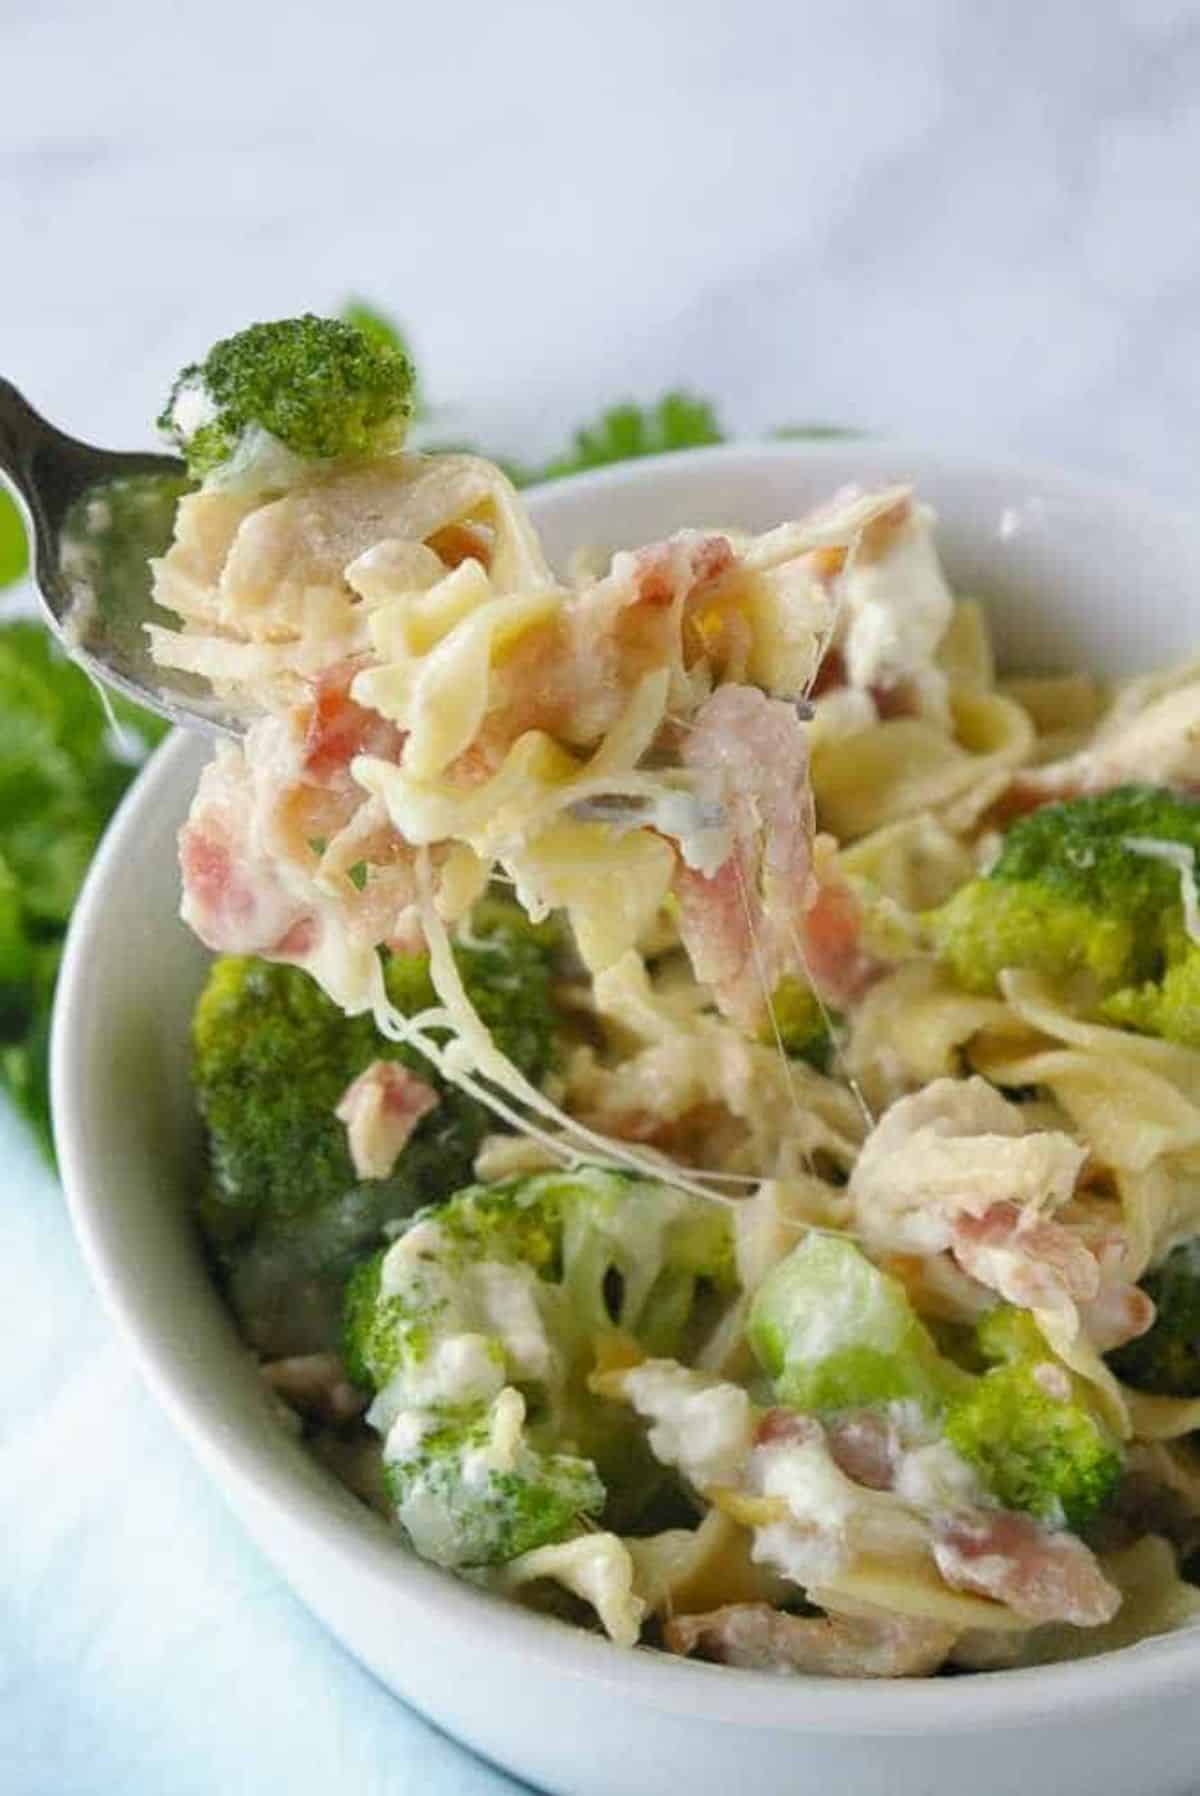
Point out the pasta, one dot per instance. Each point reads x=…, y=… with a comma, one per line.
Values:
x=885, y=1424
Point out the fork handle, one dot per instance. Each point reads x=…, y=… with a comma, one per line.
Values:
x=22, y=431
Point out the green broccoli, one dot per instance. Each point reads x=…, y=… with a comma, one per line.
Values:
x=1166, y=1359
x=467, y=1495
x=834, y=1332
x=802, y=1022
x=273, y=1055
x=323, y=388
x=505, y=1291
x=1169, y=1005
x=282, y=1206
x=370, y=1352
x=1083, y=892
x=614, y=1252
x=1005, y=1334
x=383, y=329
x=1029, y=1430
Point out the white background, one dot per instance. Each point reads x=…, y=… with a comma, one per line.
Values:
x=962, y=223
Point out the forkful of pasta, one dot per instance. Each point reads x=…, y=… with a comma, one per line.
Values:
x=427, y=706
x=415, y=704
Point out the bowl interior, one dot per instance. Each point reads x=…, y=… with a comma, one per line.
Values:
x=1074, y=574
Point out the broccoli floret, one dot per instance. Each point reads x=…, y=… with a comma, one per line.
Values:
x=1166, y=1359
x=466, y=1494
x=383, y=329
x=990, y=925
x=273, y=1056
x=1168, y=1006
x=834, y=1332
x=321, y=387
x=282, y=1205
x=1081, y=894
x=1029, y=1430
x=507, y=1288
x=1006, y=1334
x=613, y=1250
x=285, y=1279
x=802, y=1022
x=361, y=1309
x=1035, y=1450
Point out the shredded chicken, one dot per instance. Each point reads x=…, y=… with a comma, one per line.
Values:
x=700, y=1424
x=954, y=1148
x=236, y=893
x=1155, y=739
x=757, y=1637
x=953, y=1168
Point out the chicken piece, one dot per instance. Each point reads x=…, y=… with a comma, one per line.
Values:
x=953, y=1168
x=1152, y=738
x=757, y=1637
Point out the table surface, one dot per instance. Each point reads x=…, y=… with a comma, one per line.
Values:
x=928, y=220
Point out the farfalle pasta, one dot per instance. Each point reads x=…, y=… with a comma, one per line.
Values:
x=825, y=1298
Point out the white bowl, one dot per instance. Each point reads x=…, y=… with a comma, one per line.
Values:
x=1078, y=574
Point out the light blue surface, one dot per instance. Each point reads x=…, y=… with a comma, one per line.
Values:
x=145, y=1648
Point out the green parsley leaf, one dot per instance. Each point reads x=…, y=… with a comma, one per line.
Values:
x=14, y=548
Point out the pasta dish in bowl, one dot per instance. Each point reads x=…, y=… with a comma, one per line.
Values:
x=699, y=1079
